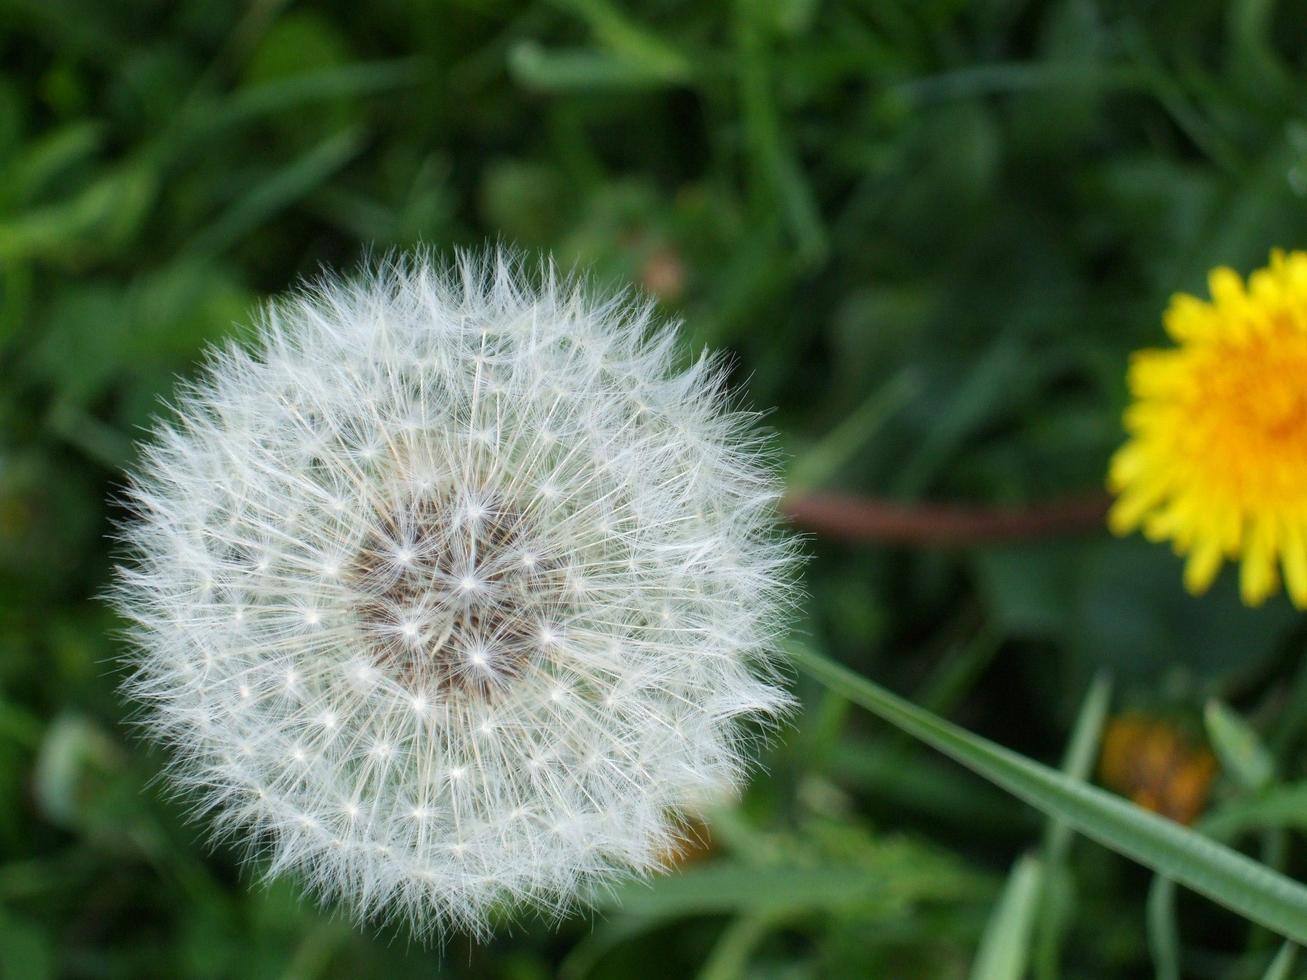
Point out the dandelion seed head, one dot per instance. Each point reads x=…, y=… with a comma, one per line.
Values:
x=472, y=583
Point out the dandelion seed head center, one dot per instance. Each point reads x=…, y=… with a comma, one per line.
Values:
x=462, y=612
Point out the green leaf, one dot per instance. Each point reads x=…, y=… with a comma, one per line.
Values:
x=1276, y=807
x=1227, y=877
x=734, y=888
x=1163, y=930
x=1080, y=756
x=1005, y=946
x=76, y=760
x=1054, y=894
x=1282, y=965
x=316, y=950
x=49, y=156
x=606, y=936
x=730, y=957
x=210, y=120
x=778, y=171
x=575, y=69
x=81, y=782
x=1238, y=747
x=103, y=215
x=279, y=191
x=629, y=41
x=304, y=88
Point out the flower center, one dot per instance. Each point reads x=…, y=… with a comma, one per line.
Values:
x=1247, y=416
x=458, y=596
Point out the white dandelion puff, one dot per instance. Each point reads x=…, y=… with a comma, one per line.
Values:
x=455, y=593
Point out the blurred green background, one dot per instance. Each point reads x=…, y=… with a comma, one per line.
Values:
x=930, y=232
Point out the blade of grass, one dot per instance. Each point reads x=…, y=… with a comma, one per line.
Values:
x=629, y=41
x=1227, y=877
x=722, y=887
x=838, y=446
x=1163, y=929
x=1282, y=966
x=1171, y=95
x=209, y=118
x=361, y=78
x=1292, y=719
x=729, y=959
x=278, y=191
x=48, y=156
x=606, y=936
x=954, y=677
x=887, y=761
x=577, y=70
x=777, y=171
x=1252, y=769
x=26, y=878
x=95, y=439
x=1238, y=747
x=1271, y=812
x=1005, y=946
x=314, y=955
x=928, y=785
x=103, y=213
x=1029, y=918
x=1277, y=807
x=898, y=775
x=1079, y=760
x=1006, y=77
x=986, y=388
x=1077, y=763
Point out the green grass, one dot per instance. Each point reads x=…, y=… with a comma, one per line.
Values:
x=929, y=232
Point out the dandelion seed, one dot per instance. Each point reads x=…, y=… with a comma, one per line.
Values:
x=475, y=589
x=1217, y=456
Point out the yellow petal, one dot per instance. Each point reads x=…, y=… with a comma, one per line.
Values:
x=1203, y=564
x=1257, y=576
x=1127, y=512
x=1295, y=565
x=1225, y=285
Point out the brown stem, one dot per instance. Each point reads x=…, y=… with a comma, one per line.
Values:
x=860, y=519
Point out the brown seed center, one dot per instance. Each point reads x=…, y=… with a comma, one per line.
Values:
x=456, y=595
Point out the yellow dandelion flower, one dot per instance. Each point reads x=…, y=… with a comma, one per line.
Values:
x=1216, y=461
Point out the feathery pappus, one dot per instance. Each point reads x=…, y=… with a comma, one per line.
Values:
x=454, y=592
